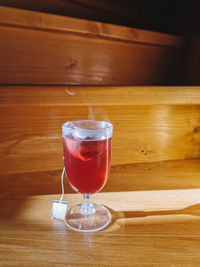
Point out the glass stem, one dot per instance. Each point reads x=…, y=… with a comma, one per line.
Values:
x=87, y=206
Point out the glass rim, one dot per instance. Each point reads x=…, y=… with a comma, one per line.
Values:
x=105, y=128
x=109, y=125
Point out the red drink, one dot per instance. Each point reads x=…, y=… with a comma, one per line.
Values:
x=87, y=163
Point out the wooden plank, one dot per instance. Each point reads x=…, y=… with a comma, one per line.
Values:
x=166, y=175
x=37, y=20
x=128, y=12
x=97, y=96
x=150, y=227
x=76, y=61
x=83, y=53
x=143, y=133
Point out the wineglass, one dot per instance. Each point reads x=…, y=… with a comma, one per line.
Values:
x=87, y=154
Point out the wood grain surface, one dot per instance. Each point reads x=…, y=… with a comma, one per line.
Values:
x=155, y=228
x=98, y=95
x=144, y=130
x=49, y=22
x=163, y=175
x=130, y=13
x=39, y=49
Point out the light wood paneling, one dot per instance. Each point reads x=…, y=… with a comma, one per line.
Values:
x=155, y=228
x=46, y=49
x=98, y=95
x=142, y=132
x=166, y=175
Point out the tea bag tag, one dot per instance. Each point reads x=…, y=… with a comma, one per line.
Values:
x=59, y=207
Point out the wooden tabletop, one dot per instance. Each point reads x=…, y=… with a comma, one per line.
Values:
x=152, y=227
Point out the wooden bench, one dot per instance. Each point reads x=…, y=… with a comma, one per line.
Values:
x=151, y=124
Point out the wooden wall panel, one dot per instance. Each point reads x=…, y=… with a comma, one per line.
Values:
x=21, y=18
x=165, y=175
x=38, y=48
x=98, y=95
x=36, y=57
x=143, y=132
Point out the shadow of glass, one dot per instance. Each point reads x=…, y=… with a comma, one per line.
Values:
x=190, y=210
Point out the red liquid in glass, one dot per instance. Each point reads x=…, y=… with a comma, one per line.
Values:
x=87, y=163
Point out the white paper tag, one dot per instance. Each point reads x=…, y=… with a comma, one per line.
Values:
x=58, y=210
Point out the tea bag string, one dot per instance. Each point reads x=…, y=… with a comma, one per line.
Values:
x=62, y=184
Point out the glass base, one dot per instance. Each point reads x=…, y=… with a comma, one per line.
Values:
x=76, y=220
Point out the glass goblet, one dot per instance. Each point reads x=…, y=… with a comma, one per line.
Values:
x=87, y=155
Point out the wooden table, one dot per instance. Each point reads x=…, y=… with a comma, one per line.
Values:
x=153, y=228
